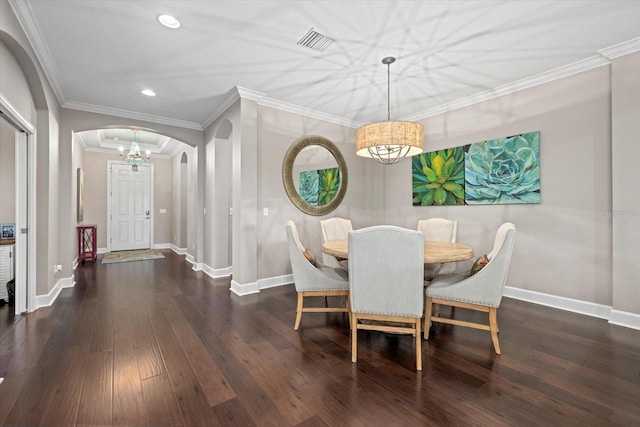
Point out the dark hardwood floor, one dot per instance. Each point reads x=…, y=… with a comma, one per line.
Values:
x=155, y=343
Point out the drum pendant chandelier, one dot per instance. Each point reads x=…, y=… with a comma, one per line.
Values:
x=389, y=141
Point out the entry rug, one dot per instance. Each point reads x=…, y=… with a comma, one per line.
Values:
x=126, y=256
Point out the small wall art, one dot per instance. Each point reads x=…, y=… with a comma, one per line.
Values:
x=319, y=187
x=497, y=171
x=7, y=231
x=80, y=195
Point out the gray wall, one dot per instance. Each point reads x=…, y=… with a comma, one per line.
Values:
x=563, y=245
x=625, y=213
x=7, y=173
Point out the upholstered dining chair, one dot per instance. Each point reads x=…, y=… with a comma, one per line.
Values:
x=386, y=283
x=335, y=229
x=481, y=291
x=314, y=281
x=438, y=229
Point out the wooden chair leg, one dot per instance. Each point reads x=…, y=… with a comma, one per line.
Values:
x=354, y=338
x=418, y=346
x=427, y=316
x=298, y=311
x=493, y=326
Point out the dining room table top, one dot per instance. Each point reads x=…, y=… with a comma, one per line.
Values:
x=435, y=252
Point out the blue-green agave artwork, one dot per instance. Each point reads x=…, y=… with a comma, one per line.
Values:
x=319, y=187
x=309, y=185
x=438, y=177
x=328, y=186
x=503, y=170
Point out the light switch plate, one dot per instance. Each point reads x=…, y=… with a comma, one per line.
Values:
x=265, y=211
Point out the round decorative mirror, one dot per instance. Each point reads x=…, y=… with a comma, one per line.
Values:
x=315, y=175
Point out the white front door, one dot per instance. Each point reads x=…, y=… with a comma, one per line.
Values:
x=131, y=207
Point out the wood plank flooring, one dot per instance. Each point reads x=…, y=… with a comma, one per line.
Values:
x=153, y=343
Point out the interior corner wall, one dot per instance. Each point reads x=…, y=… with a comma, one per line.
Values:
x=625, y=212
x=277, y=131
x=563, y=244
x=219, y=182
x=177, y=220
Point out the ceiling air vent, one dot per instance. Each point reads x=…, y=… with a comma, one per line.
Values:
x=316, y=41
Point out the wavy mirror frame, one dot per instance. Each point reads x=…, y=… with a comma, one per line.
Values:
x=287, y=175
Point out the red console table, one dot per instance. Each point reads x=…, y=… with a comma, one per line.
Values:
x=87, y=243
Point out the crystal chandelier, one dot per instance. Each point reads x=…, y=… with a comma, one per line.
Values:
x=389, y=141
x=134, y=157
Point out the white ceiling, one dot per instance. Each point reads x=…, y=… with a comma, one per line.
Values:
x=99, y=55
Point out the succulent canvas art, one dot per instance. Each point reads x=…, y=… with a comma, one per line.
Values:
x=503, y=170
x=498, y=171
x=438, y=178
x=319, y=187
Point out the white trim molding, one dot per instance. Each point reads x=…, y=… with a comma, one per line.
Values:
x=244, y=288
x=615, y=317
x=216, y=273
x=272, y=282
x=49, y=299
x=179, y=251
x=626, y=319
x=569, y=304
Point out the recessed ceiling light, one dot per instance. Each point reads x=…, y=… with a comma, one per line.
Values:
x=169, y=21
x=148, y=92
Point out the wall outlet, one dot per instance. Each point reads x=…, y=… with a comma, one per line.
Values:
x=265, y=211
x=57, y=268
x=162, y=210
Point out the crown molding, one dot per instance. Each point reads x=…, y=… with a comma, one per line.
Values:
x=233, y=95
x=131, y=115
x=538, y=79
x=79, y=136
x=621, y=49
x=24, y=15
x=306, y=112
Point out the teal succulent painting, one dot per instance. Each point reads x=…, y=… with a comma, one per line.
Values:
x=438, y=177
x=319, y=187
x=309, y=185
x=503, y=171
x=329, y=184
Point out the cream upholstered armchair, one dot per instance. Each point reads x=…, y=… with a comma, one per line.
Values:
x=313, y=281
x=443, y=230
x=335, y=229
x=386, y=283
x=481, y=291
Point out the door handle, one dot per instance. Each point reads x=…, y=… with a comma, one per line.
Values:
x=147, y=214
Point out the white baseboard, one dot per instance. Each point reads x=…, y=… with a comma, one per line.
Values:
x=626, y=319
x=272, y=282
x=568, y=304
x=48, y=299
x=101, y=251
x=216, y=273
x=244, y=288
x=75, y=264
x=162, y=246
x=179, y=251
x=615, y=317
x=189, y=258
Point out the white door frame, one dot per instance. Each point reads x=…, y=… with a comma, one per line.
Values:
x=25, y=237
x=151, y=202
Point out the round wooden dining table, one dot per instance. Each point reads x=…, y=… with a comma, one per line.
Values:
x=435, y=252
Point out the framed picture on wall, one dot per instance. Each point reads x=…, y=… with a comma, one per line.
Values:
x=7, y=231
x=80, y=195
